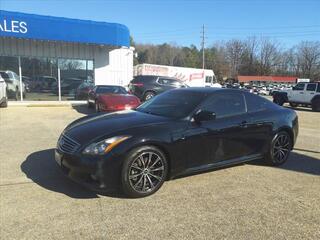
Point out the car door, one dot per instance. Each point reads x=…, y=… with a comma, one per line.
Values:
x=310, y=92
x=223, y=138
x=296, y=94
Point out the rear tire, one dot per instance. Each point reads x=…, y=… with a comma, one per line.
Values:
x=315, y=105
x=280, y=148
x=144, y=171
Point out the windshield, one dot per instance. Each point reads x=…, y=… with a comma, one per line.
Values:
x=111, y=90
x=173, y=104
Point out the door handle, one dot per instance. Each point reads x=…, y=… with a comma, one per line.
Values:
x=301, y=92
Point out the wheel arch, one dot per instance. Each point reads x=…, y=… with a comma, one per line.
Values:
x=289, y=131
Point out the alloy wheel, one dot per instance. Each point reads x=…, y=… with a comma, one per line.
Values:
x=146, y=172
x=281, y=148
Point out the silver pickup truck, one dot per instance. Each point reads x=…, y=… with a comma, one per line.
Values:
x=3, y=93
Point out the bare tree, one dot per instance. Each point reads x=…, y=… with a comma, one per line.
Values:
x=309, y=59
x=268, y=56
x=234, y=54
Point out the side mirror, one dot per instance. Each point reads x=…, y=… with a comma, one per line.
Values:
x=203, y=116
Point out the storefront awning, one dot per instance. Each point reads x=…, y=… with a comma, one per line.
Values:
x=37, y=27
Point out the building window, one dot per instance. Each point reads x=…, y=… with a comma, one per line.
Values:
x=72, y=74
x=40, y=76
x=9, y=70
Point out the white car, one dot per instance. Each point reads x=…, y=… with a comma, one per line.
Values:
x=305, y=94
x=13, y=84
x=3, y=93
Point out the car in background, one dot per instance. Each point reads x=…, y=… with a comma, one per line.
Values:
x=146, y=87
x=3, y=93
x=305, y=94
x=68, y=86
x=13, y=84
x=179, y=132
x=83, y=90
x=42, y=83
x=110, y=98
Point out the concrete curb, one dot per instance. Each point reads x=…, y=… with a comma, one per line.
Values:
x=46, y=103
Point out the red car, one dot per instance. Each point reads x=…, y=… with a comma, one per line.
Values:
x=108, y=98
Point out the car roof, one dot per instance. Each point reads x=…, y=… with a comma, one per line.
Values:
x=207, y=90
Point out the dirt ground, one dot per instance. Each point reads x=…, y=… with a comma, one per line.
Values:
x=249, y=201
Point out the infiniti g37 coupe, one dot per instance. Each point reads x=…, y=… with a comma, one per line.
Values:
x=176, y=133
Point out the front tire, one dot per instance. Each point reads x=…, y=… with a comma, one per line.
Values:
x=280, y=148
x=96, y=106
x=315, y=105
x=279, y=101
x=144, y=171
x=293, y=105
x=4, y=104
x=148, y=96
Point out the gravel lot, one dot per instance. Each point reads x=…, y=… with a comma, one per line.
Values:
x=249, y=201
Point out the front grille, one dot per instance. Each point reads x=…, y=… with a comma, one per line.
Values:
x=67, y=145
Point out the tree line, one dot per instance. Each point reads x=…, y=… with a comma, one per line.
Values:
x=252, y=56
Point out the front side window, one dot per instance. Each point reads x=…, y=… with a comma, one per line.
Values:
x=226, y=104
x=311, y=87
x=299, y=87
x=170, y=82
x=208, y=79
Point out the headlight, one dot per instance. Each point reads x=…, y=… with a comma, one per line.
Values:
x=104, y=146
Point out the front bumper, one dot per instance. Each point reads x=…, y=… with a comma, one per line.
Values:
x=97, y=173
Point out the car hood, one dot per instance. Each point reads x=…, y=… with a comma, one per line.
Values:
x=86, y=129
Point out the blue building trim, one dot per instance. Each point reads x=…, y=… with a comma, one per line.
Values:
x=31, y=26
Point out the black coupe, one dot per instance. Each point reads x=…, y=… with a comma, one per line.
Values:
x=176, y=133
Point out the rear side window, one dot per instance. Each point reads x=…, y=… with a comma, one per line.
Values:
x=226, y=104
x=318, y=88
x=170, y=82
x=311, y=87
x=256, y=103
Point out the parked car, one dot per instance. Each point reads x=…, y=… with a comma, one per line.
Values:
x=83, y=90
x=43, y=83
x=109, y=98
x=146, y=87
x=13, y=84
x=179, y=132
x=3, y=93
x=307, y=94
x=68, y=86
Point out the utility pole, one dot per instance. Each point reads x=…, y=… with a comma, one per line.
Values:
x=202, y=45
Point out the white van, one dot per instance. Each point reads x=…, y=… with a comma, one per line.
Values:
x=3, y=93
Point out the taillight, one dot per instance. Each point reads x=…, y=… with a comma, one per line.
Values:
x=137, y=84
